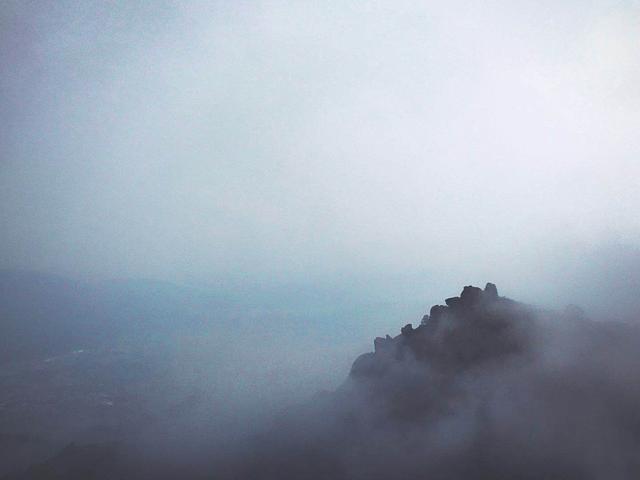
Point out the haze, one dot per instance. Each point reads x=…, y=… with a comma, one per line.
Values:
x=208, y=142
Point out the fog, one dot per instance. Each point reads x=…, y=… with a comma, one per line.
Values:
x=214, y=207
x=198, y=142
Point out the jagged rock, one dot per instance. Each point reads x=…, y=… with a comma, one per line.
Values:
x=452, y=301
x=470, y=295
x=380, y=343
x=491, y=291
x=437, y=311
x=407, y=330
x=474, y=327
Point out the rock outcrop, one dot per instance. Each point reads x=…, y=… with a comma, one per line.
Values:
x=472, y=328
x=484, y=388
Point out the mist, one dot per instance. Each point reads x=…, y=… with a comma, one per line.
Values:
x=209, y=210
x=198, y=142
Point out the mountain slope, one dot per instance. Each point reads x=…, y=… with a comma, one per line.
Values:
x=484, y=388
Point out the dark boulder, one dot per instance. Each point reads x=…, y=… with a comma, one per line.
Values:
x=407, y=330
x=470, y=295
x=381, y=344
x=452, y=302
x=491, y=291
x=437, y=312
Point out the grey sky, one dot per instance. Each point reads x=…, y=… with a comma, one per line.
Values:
x=192, y=140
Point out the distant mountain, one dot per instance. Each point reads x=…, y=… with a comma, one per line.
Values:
x=43, y=315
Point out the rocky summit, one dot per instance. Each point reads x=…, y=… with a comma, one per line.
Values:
x=476, y=327
x=484, y=387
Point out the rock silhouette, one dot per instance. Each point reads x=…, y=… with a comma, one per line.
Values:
x=475, y=327
x=483, y=388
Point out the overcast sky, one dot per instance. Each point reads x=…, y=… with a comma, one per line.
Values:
x=188, y=141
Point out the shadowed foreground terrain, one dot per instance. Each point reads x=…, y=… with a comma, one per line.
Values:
x=484, y=388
